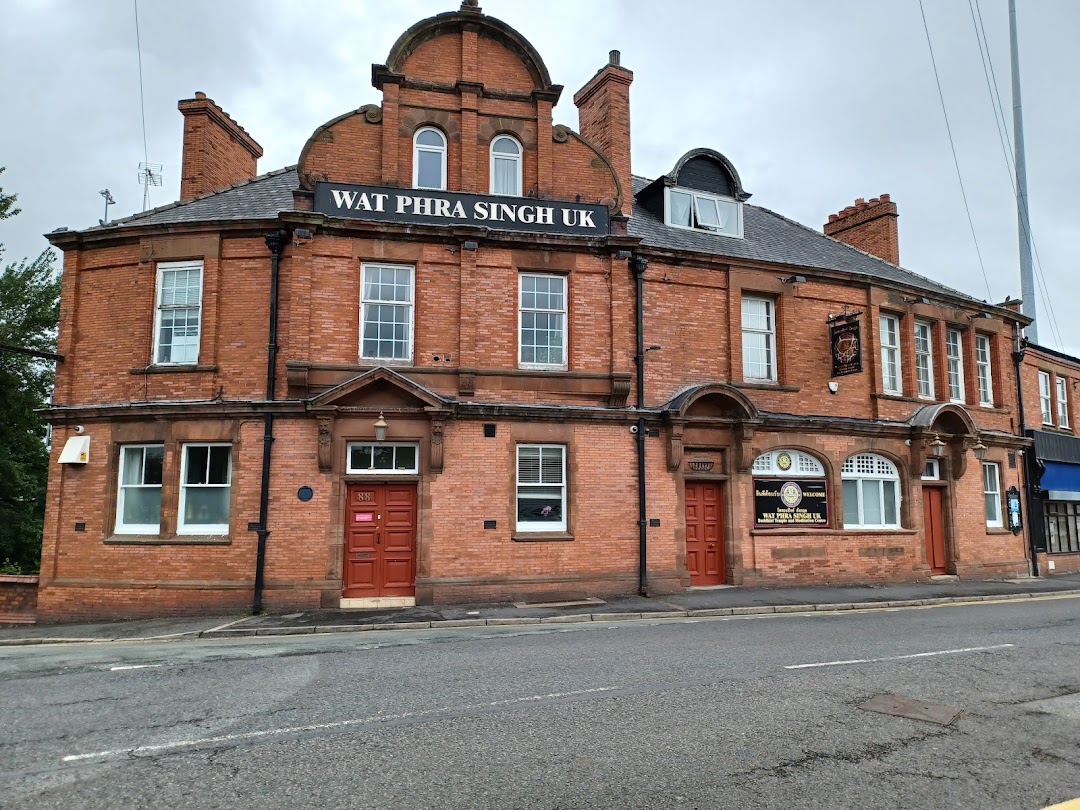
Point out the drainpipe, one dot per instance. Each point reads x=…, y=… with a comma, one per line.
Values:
x=275, y=242
x=638, y=264
x=1019, y=346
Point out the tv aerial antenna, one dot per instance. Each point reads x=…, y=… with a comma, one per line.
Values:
x=149, y=175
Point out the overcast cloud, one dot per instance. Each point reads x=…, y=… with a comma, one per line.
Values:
x=815, y=103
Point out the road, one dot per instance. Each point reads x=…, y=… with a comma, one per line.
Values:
x=744, y=712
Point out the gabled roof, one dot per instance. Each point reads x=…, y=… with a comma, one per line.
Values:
x=262, y=197
x=770, y=237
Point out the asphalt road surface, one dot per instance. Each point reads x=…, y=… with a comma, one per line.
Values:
x=732, y=712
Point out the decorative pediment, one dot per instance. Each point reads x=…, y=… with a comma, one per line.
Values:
x=714, y=400
x=379, y=389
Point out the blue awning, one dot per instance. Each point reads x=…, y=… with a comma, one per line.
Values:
x=1061, y=477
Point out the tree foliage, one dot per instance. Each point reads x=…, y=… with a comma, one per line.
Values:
x=29, y=310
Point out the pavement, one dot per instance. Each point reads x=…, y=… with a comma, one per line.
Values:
x=724, y=600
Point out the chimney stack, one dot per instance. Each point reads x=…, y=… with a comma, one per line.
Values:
x=604, y=119
x=869, y=226
x=217, y=151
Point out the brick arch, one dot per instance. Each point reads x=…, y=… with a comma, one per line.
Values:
x=491, y=128
x=440, y=119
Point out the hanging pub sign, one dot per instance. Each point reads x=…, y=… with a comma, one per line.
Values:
x=431, y=207
x=791, y=503
x=845, y=346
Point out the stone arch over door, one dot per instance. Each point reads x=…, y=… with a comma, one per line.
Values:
x=712, y=404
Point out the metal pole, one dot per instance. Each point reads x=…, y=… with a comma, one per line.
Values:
x=1027, y=274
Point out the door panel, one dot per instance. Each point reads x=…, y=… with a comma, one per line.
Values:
x=934, y=530
x=380, y=541
x=704, y=533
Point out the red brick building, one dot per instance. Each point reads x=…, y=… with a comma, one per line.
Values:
x=458, y=353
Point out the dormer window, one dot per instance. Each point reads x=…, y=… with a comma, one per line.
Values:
x=696, y=210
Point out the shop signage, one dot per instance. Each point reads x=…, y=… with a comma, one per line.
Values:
x=1012, y=503
x=791, y=503
x=427, y=207
x=845, y=345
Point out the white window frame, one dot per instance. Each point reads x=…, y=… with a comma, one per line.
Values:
x=800, y=465
x=924, y=359
x=365, y=302
x=135, y=528
x=201, y=528
x=932, y=470
x=1045, y=402
x=1062, y=401
x=848, y=472
x=955, y=363
x=890, y=351
x=992, y=488
x=705, y=197
x=159, y=308
x=351, y=470
x=770, y=338
x=984, y=371
x=441, y=150
x=539, y=526
x=564, y=312
x=518, y=160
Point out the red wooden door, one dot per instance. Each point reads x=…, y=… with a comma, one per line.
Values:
x=704, y=533
x=380, y=541
x=934, y=529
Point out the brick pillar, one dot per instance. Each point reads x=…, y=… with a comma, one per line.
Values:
x=391, y=138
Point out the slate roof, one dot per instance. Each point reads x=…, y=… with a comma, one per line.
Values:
x=767, y=236
x=261, y=197
x=770, y=237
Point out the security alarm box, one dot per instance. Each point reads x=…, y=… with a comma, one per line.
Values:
x=76, y=450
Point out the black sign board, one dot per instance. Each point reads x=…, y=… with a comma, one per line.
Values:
x=428, y=207
x=1012, y=503
x=845, y=346
x=802, y=502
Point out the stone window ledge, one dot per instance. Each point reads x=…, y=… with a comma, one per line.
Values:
x=541, y=537
x=823, y=531
x=177, y=369
x=178, y=540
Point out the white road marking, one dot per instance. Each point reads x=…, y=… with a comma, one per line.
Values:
x=134, y=666
x=379, y=718
x=897, y=657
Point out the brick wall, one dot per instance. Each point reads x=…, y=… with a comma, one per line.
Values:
x=18, y=599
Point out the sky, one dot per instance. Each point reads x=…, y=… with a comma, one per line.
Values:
x=815, y=103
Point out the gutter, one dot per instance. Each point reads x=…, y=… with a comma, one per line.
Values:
x=275, y=242
x=1030, y=461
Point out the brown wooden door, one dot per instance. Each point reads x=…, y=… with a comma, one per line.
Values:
x=380, y=541
x=934, y=529
x=704, y=533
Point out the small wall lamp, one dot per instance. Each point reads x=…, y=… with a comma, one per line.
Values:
x=979, y=449
x=380, y=428
x=937, y=446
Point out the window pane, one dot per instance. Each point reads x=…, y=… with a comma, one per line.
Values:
x=384, y=458
x=851, y=503
x=729, y=216
x=757, y=314
x=528, y=465
x=405, y=458
x=505, y=177
x=142, y=505
x=706, y=212
x=133, y=457
x=219, y=465
x=360, y=457
x=506, y=146
x=889, y=489
x=153, y=459
x=679, y=204
x=871, y=506
x=551, y=465
x=429, y=169
x=992, y=508
x=430, y=137
x=540, y=504
x=196, y=464
x=205, y=506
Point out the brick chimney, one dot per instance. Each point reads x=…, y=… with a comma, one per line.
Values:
x=217, y=151
x=604, y=119
x=868, y=225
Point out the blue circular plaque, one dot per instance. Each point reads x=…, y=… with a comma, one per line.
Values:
x=305, y=493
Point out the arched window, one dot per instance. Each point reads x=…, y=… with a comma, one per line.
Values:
x=506, y=166
x=871, y=492
x=788, y=464
x=429, y=159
